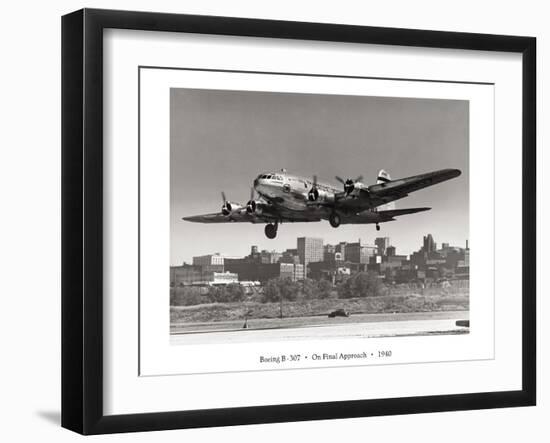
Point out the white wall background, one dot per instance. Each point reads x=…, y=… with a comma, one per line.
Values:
x=30, y=218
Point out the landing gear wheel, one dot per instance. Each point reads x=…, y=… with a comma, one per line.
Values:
x=334, y=220
x=271, y=230
x=377, y=227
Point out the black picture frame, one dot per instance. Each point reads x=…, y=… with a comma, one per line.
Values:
x=82, y=218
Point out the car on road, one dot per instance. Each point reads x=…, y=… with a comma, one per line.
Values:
x=338, y=313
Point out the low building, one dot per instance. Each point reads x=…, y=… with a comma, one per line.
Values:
x=286, y=270
x=253, y=271
x=394, y=259
x=208, y=260
x=334, y=272
x=289, y=258
x=224, y=278
x=299, y=272
x=359, y=252
x=185, y=275
x=191, y=275
x=269, y=257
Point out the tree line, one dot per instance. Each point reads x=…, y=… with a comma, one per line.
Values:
x=360, y=284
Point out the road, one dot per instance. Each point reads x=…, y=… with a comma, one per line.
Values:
x=357, y=326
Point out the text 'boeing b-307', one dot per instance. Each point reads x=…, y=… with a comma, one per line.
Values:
x=286, y=198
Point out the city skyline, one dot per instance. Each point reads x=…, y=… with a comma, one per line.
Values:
x=314, y=260
x=221, y=140
x=270, y=248
x=255, y=249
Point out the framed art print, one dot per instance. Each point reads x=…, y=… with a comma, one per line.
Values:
x=270, y=221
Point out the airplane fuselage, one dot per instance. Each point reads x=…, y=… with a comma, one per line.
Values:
x=291, y=191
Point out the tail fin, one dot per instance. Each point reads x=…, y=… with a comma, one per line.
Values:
x=383, y=177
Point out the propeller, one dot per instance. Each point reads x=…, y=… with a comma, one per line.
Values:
x=251, y=205
x=349, y=184
x=226, y=207
x=313, y=193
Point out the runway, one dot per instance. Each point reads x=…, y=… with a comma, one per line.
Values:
x=359, y=326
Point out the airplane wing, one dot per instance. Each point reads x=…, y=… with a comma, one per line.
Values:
x=404, y=186
x=370, y=216
x=236, y=217
x=274, y=215
x=389, y=191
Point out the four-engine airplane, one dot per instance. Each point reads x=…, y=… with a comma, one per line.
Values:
x=286, y=198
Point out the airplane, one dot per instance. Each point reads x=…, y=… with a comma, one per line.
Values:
x=287, y=198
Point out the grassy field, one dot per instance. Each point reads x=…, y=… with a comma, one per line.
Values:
x=223, y=312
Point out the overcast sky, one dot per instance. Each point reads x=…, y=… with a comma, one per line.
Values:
x=221, y=140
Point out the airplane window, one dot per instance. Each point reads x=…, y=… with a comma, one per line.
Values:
x=269, y=176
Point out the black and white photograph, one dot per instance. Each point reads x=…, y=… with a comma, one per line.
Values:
x=285, y=217
x=297, y=216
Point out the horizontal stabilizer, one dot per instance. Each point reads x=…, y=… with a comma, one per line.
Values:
x=397, y=212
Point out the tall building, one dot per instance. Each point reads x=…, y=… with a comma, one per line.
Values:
x=382, y=243
x=359, y=252
x=341, y=248
x=429, y=244
x=310, y=250
x=391, y=251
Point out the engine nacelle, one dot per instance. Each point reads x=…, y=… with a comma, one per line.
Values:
x=320, y=196
x=230, y=207
x=358, y=186
x=255, y=207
